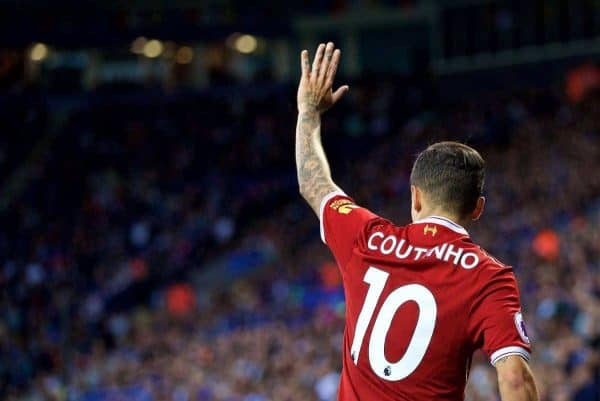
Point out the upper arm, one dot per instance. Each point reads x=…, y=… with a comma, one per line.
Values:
x=342, y=222
x=515, y=379
x=511, y=368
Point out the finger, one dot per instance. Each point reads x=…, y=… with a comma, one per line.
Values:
x=305, y=64
x=317, y=62
x=341, y=91
x=325, y=63
x=333, y=66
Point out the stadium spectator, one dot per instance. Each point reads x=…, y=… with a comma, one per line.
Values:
x=126, y=205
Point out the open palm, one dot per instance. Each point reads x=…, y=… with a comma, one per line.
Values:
x=315, y=91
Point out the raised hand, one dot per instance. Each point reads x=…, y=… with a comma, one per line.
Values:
x=315, y=90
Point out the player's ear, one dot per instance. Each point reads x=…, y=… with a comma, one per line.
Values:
x=415, y=195
x=478, y=211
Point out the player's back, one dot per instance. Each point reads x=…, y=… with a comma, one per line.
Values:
x=420, y=299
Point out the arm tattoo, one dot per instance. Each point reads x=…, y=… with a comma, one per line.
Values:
x=314, y=176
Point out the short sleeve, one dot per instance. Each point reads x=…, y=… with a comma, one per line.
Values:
x=496, y=319
x=341, y=222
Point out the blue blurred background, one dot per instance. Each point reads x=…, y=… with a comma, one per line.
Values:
x=153, y=245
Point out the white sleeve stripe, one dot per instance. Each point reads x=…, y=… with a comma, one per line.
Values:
x=324, y=201
x=506, y=351
x=524, y=356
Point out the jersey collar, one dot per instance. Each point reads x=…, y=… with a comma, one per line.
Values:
x=443, y=221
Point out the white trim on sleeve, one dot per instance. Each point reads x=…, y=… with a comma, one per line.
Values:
x=324, y=201
x=506, y=351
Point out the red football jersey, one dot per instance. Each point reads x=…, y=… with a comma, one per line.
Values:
x=420, y=299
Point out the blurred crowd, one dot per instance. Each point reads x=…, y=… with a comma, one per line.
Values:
x=104, y=251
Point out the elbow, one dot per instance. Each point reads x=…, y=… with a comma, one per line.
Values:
x=516, y=380
x=513, y=380
x=519, y=384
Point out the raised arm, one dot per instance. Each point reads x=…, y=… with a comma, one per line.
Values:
x=515, y=380
x=315, y=96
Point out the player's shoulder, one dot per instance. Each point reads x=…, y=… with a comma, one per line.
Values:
x=490, y=266
x=338, y=204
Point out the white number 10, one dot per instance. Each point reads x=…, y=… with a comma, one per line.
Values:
x=393, y=371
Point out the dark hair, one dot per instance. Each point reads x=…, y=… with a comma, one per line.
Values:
x=451, y=175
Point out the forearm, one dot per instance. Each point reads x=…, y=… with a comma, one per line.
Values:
x=518, y=385
x=314, y=176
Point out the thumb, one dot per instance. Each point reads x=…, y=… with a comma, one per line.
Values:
x=341, y=91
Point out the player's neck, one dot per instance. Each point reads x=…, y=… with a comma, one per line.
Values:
x=440, y=213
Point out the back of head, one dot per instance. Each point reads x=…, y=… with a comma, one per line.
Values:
x=451, y=176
